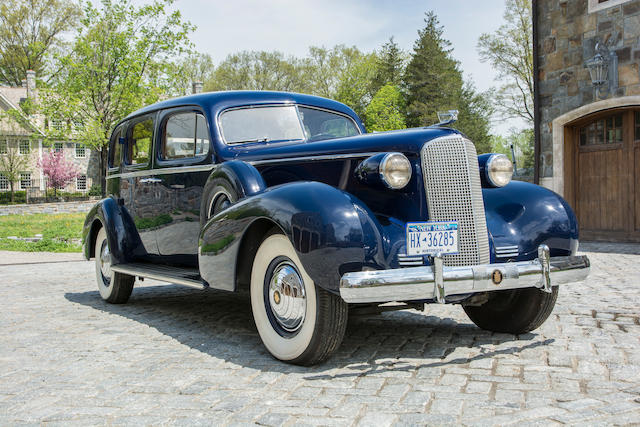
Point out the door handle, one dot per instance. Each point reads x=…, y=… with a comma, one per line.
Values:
x=150, y=180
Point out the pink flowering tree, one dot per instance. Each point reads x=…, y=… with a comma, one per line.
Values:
x=58, y=170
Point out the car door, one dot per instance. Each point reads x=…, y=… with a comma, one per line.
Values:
x=183, y=164
x=146, y=202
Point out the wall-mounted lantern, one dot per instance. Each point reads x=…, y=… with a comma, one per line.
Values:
x=603, y=69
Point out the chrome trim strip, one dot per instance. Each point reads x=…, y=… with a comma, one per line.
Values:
x=163, y=171
x=312, y=158
x=419, y=283
x=157, y=275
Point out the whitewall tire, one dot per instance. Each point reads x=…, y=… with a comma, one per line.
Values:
x=114, y=287
x=298, y=322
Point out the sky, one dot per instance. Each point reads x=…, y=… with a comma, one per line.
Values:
x=291, y=26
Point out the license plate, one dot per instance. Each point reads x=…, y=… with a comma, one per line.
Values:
x=432, y=238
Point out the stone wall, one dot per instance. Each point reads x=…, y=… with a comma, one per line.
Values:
x=53, y=208
x=567, y=36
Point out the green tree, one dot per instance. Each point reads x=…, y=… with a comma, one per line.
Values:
x=257, y=70
x=522, y=141
x=390, y=65
x=30, y=32
x=118, y=63
x=386, y=110
x=11, y=164
x=474, y=114
x=195, y=67
x=354, y=86
x=432, y=79
x=510, y=51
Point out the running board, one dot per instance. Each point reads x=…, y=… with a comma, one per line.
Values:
x=181, y=276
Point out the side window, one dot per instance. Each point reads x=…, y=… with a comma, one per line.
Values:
x=139, y=142
x=115, y=149
x=185, y=136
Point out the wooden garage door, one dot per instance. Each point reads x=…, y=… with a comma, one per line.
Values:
x=607, y=174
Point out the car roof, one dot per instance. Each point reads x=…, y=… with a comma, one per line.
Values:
x=227, y=99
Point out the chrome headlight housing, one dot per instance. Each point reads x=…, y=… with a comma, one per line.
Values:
x=395, y=170
x=499, y=170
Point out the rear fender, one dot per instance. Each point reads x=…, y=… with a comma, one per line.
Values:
x=123, y=238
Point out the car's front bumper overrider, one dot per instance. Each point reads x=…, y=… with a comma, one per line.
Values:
x=438, y=281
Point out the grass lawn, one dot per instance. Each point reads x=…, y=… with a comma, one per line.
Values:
x=58, y=232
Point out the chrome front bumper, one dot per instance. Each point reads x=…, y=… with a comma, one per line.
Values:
x=438, y=281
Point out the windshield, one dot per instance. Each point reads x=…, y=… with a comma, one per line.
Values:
x=283, y=123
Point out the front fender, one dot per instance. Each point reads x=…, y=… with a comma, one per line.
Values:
x=123, y=238
x=324, y=224
x=528, y=215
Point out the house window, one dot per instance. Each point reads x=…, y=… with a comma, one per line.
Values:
x=596, y=5
x=4, y=147
x=81, y=183
x=58, y=147
x=77, y=125
x=4, y=182
x=24, y=147
x=81, y=152
x=25, y=180
x=57, y=124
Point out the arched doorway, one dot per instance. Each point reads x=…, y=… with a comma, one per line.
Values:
x=606, y=174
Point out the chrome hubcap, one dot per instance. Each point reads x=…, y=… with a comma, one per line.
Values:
x=105, y=263
x=287, y=297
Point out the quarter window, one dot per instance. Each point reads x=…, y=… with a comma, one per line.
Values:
x=24, y=147
x=4, y=182
x=140, y=142
x=185, y=136
x=25, y=180
x=81, y=152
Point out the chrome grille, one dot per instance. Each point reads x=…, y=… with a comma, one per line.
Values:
x=452, y=183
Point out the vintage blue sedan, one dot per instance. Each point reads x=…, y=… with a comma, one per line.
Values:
x=287, y=196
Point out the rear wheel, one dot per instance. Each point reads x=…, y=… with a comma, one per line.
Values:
x=298, y=322
x=114, y=287
x=515, y=311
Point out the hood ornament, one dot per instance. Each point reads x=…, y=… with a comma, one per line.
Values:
x=447, y=117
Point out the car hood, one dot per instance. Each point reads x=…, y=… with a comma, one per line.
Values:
x=407, y=141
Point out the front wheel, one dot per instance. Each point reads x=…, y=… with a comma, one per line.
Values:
x=114, y=287
x=514, y=311
x=298, y=322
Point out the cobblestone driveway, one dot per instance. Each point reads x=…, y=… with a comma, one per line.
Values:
x=179, y=356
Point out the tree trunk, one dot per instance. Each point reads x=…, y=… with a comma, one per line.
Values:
x=11, y=186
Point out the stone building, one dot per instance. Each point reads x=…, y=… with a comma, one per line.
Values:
x=587, y=56
x=24, y=134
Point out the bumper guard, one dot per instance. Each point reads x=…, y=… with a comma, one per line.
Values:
x=437, y=281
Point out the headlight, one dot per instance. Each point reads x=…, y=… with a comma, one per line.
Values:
x=499, y=170
x=395, y=170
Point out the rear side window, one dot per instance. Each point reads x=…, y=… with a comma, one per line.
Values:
x=185, y=136
x=115, y=149
x=139, y=146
